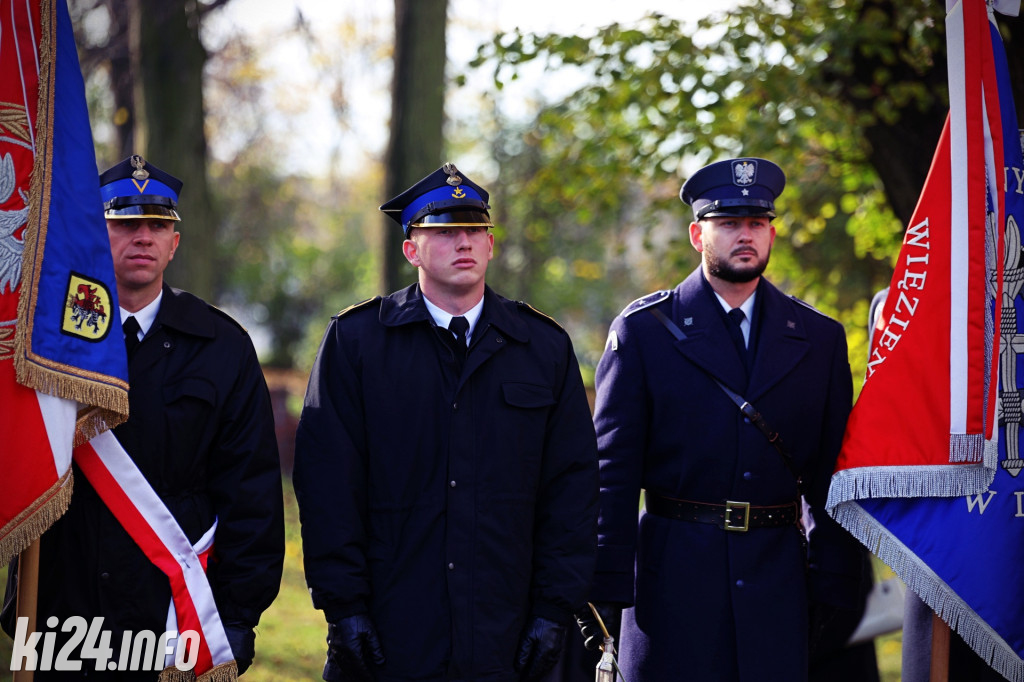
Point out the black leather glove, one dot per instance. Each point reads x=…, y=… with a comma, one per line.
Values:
x=243, y=644
x=353, y=650
x=593, y=635
x=539, y=648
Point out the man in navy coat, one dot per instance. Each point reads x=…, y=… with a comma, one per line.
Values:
x=446, y=466
x=717, y=571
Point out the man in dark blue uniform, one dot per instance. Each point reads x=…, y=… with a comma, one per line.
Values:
x=717, y=571
x=446, y=466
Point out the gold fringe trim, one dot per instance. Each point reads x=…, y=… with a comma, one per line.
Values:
x=40, y=188
x=112, y=399
x=225, y=672
x=172, y=674
x=33, y=371
x=24, y=528
x=92, y=421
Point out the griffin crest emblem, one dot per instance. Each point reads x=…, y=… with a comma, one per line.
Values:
x=85, y=314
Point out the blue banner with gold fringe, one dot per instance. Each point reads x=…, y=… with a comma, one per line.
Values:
x=69, y=339
x=63, y=367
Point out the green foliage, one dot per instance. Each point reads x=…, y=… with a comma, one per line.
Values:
x=294, y=253
x=595, y=175
x=290, y=639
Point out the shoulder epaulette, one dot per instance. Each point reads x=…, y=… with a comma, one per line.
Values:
x=357, y=306
x=233, y=321
x=645, y=302
x=808, y=306
x=543, y=316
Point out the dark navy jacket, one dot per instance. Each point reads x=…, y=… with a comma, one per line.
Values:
x=201, y=430
x=449, y=507
x=718, y=605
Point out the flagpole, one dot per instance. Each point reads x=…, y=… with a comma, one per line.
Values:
x=940, y=650
x=28, y=589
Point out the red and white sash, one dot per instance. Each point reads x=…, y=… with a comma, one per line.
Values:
x=135, y=504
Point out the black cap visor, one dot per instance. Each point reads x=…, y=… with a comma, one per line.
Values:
x=463, y=218
x=142, y=206
x=724, y=208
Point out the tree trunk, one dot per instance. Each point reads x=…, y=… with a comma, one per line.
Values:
x=417, y=117
x=901, y=151
x=168, y=60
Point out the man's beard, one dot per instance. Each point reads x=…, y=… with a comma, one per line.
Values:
x=725, y=271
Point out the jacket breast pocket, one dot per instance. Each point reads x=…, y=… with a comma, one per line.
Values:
x=189, y=404
x=523, y=428
x=527, y=395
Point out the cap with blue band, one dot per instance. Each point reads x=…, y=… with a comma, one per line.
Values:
x=445, y=197
x=135, y=188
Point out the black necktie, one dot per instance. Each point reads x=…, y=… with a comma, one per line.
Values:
x=459, y=326
x=736, y=317
x=131, y=335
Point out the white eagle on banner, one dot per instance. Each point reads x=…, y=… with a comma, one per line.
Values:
x=11, y=247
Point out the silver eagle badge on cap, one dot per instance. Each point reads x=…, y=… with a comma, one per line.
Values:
x=744, y=172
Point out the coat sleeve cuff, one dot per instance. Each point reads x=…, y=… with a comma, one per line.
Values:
x=335, y=612
x=552, y=613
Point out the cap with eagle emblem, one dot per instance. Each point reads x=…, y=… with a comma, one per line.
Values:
x=734, y=187
x=445, y=197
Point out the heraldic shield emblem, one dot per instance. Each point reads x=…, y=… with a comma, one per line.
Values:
x=86, y=313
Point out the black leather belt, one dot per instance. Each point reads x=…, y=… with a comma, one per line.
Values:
x=731, y=516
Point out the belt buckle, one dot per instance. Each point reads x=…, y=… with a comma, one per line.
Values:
x=739, y=509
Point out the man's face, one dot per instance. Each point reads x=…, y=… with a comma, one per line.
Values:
x=451, y=260
x=734, y=248
x=142, y=248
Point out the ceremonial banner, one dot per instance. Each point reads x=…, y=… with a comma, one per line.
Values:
x=60, y=339
x=928, y=474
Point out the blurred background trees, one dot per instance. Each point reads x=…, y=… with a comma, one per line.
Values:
x=848, y=97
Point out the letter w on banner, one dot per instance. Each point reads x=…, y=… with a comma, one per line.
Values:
x=928, y=474
x=61, y=345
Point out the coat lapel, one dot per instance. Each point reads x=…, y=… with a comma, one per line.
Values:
x=499, y=323
x=782, y=341
x=707, y=343
x=179, y=311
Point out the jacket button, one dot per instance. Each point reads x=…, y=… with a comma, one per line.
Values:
x=167, y=344
x=451, y=484
x=104, y=575
x=747, y=475
x=451, y=567
x=499, y=340
x=739, y=583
